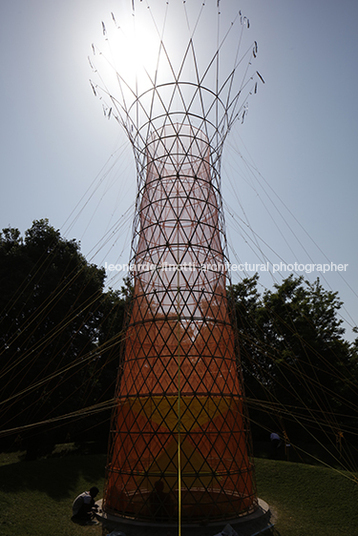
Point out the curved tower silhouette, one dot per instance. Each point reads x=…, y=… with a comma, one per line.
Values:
x=180, y=439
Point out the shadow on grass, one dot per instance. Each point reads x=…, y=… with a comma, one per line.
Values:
x=58, y=477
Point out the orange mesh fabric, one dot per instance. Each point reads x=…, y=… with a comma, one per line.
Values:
x=179, y=383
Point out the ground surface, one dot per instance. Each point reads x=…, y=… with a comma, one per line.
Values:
x=36, y=496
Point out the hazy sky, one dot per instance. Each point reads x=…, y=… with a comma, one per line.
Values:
x=289, y=172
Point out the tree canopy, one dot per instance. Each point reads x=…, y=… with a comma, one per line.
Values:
x=299, y=372
x=61, y=330
x=55, y=316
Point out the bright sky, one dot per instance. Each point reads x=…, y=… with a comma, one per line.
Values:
x=298, y=143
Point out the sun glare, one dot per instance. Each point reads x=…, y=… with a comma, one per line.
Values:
x=154, y=59
x=129, y=53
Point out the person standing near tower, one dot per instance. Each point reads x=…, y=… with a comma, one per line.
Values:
x=275, y=444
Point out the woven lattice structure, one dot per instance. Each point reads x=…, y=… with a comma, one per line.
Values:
x=180, y=443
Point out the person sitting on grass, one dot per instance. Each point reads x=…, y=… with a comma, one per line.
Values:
x=83, y=506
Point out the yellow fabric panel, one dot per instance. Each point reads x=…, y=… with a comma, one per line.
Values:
x=194, y=411
x=196, y=471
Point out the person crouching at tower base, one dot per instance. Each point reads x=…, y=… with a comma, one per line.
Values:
x=83, y=506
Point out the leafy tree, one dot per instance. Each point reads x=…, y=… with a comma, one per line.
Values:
x=60, y=336
x=292, y=349
x=114, y=306
x=54, y=314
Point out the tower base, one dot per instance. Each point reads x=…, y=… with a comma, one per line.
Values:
x=250, y=525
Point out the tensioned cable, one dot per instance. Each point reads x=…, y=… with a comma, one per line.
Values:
x=95, y=184
x=253, y=171
x=58, y=330
x=179, y=357
x=123, y=221
x=39, y=267
x=235, y=192
x=328, y=368
x=179, y=373
x=232, y=212
x=82, y=360
x=324, y=411
x=334, y=373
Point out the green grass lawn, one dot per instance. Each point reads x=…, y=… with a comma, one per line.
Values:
x=309, y=500
x=36, y=496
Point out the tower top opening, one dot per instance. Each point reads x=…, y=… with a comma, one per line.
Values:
x=176, y=64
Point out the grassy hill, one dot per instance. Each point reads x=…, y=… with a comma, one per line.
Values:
x=36, y=496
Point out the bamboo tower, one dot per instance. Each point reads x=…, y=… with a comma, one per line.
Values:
x=180, y=445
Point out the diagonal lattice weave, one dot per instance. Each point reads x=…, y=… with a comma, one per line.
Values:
x=180, y=425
